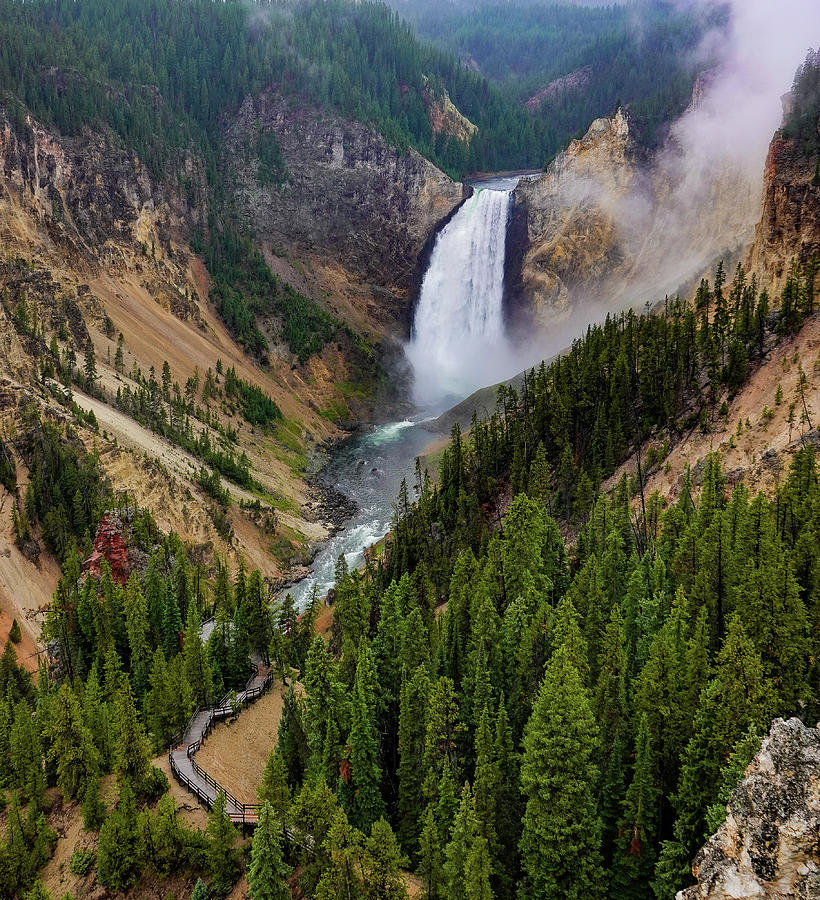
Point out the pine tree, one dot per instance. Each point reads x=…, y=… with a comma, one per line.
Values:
x=200, y=891
x=166, y=837
x=315, y=811
x=477, y=871
x=737, y=698
x=415, y=693
x=222, y=855
x=446, y=807
x=181, y=582
x=732, y=773
x=361, y=792
x=171, y=625
x=154, y=588
x=38, y=891
x=486, y=781
x=567, y=634
x=259, y=615
x=538, y=486
x=90, y=366
x=197, y=666
x=325, y=700
x=274, y=789
x=26, y=754
x=137, y=628
x=508, y=804
x=94, y=810
x=560, y=844
x=118, y=844
x=634, y=859
x=612, y=716
x=658, y=693
x=525, y=535
x=382, y=864
x=464, y=833
x=268, y=873
x=119, y=359
x=72, y=747
x=340, y=877
x=99, y=718
x=131, y=759
x=442, y=729
x=430, y=860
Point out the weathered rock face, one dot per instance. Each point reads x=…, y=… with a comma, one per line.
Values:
x=91, y=198
x=349, y=200
x=789, y=227
x=566, y=240
x=769, y=845
x=446, y=118
x=606, y=227
x=560, y=87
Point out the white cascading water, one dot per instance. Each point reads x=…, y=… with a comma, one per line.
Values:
x=458, y=342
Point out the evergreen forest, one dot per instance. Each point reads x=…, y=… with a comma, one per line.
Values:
x=641, y=55
x=536, y=690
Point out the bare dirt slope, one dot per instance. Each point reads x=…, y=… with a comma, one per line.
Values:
x=25, y=586
x=759, y=452
x=235, y=753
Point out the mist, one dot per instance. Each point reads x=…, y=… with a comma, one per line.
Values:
x=760, y=51
x=699, y=198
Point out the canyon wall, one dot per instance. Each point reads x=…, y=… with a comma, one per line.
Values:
x=769, y=845
x=354, y=208
x=609, y=226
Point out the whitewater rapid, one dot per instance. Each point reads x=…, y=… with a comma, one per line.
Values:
x=458, y=341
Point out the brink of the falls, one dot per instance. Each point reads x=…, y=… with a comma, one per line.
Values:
x=458, y=342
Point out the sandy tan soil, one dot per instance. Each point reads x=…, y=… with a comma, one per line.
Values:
x=153, y=335
x=743, y=454
x=26, y=649
x=56, y=874
x=235, y=754
x=190, y=809
x=25, y=587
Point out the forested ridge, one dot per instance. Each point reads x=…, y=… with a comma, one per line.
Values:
x=163, y=76
x=641, y=55
x=500, y=711
x=166, y=78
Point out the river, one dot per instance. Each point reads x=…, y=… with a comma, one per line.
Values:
x=457, y=346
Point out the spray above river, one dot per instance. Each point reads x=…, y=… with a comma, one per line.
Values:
x=458, y=341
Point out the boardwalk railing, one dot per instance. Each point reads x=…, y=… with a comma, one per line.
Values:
x=241, y=813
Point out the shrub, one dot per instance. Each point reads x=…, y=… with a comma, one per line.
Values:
x=82, y=862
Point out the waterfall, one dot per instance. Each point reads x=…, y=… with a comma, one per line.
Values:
x=458, y=342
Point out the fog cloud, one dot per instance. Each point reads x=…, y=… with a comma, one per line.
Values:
x=759, y=52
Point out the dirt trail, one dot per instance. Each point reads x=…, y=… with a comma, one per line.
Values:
x=131, y=434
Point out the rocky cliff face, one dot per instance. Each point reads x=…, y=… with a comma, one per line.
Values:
x=607, y=227
x=769, y=845
x=352, y=206
x=789, y=227
x=446, y=118
x=89, y=200
x=566, y=238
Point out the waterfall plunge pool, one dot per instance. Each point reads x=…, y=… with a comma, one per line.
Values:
x=458, y=345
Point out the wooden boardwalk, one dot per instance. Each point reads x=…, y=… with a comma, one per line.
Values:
x=181, y=754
